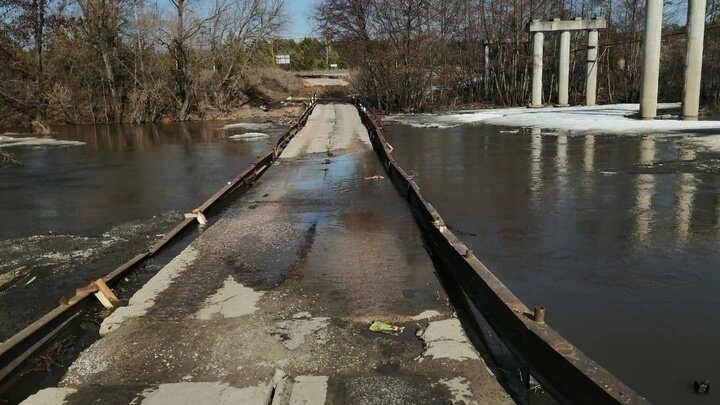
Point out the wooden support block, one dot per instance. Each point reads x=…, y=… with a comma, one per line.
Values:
x=87, y=290
x=103, y=300
x=107, y=292
x=197, y=214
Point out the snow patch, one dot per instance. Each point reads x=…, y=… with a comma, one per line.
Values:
x=254, y=126
x=8, y=141
x=607, y=119
x=250, y=136
x=710, y=143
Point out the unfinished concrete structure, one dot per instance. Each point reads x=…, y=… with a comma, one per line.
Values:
x=538, y=28
x=693, y=58
x=651, y=58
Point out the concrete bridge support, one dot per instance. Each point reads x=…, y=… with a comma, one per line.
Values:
x=538, y=39
x=651, y=58
x=486, y=77
x=591, y=80
x=538, y=28
x=693, y=58
x=564, y=75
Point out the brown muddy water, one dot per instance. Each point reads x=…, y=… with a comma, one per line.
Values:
x=617, y=236
x=97, y=195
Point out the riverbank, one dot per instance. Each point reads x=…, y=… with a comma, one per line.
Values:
x=268, y=94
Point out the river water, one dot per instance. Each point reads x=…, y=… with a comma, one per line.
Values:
x=94, y=196
x=617, y=236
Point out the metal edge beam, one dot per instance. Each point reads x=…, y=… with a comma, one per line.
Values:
x=566, y=372
x=19, y=347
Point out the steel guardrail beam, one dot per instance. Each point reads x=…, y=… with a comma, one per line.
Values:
x=569, y=375
x=21, y=346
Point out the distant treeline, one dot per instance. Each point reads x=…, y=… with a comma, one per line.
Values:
x=309, y=54
x=96, y=61
x=424, y=54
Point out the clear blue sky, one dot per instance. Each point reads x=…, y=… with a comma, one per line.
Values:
x=299, y=26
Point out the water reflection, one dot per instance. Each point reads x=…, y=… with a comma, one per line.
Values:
x=685, y=197
x=645, y=188
x=123, y=173
x=589, y=162
x=561, y=165
x=536, y=178
x=589, y=153
x=628, y=266
x=78, y=211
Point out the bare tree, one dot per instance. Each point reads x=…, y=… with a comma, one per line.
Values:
x=27, y=21
x=103, y=22
x=183, y=26
x=233, y=38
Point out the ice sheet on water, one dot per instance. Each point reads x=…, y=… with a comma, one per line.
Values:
x=62, y=253
x=710, y=143
x=254, y=126
x=250, y=136
x=31, y=141
x=605, y=119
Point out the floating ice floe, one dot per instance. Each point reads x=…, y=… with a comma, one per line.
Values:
x=710, y=143
x=605, y=119
x=250, y=136
x=254, y=126
x=10, y=141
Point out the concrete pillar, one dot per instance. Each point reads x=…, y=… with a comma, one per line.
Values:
x=591, y=80
x=651, y=58
x=538, y=39
x=564, y=75
x=486, y=78
x=693, y=57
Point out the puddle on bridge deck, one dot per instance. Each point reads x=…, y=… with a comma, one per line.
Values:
x=367, y=257
x=73, y=213
x=617, y=236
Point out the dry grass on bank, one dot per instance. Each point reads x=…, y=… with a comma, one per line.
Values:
x=271, y=85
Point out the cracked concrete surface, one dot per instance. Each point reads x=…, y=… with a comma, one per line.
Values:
x=446, y=339
x=231, y=300
x=277, y=297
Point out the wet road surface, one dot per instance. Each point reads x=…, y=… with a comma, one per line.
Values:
x=274, y=300
x=617, y=236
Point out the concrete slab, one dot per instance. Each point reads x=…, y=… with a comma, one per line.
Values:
x=50, y=396
x=309, y=390
x=281, y=292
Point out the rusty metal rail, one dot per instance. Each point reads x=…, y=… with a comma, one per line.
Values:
x=569, y=375
x=18, y=348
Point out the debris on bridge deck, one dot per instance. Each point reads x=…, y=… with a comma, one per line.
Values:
x=273, y=303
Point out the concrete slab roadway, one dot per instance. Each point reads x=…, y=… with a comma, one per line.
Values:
x=273, y=302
